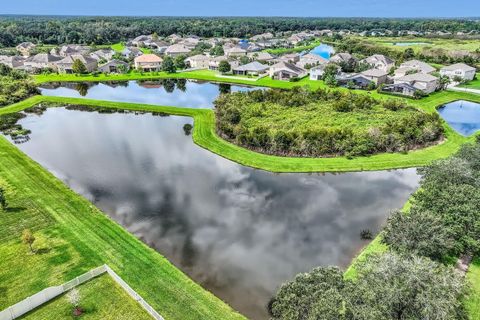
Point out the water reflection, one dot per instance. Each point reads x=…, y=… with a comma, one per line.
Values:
x=239, y=232
x=169, y=92
x=463, y=116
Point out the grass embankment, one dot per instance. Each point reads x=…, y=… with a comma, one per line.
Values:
x=101, y=298
x=73, y=236
x=204, y=135
x=474, y=84
x=473, y=302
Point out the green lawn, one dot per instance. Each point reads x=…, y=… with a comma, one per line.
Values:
x=73, y=236
x=474, y=84
x=118, y=47
x=101, y=299
x=473, y=302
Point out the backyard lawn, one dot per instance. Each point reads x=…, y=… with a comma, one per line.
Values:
x=73, y=236
x=474, y=84
x=101, y=299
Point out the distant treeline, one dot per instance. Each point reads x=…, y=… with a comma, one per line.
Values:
x=106, y=30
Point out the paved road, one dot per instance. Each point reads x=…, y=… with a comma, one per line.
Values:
x=476, y=91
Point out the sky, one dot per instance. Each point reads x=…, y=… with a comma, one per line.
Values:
x=299, y=8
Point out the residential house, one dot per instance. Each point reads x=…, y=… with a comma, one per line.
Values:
x=404, y=89
x=460, y=70
x=285, y=71
x=102, y=54
x=41, y=61
x=421, y=81
x=158, y=45
x=263, y=36
x=174, y=38
x=198, y=61
x=290, y=58
x=358, y=80
x=114, y=66
x=66, y=64
x=254, y=68
x=235, y=52
x=141, y=40
x=70, y=49
x=378, y=76
x=190, y=43
x=342, y=57
x=12, y=61
x=177, y=50
x=131, y=52
x=310, y=60
x=413, y=66
x=261, y=56
x=148, y=62
x=215, y=62
x=379, y=61
x=316, y=73
x=25, y=48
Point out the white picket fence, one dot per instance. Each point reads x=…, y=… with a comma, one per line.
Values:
x=49, y=293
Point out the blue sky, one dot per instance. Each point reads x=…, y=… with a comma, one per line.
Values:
x=316, y=8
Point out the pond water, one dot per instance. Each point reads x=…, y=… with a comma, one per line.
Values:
x=167, y=92
x=407, y=44
x=323, y=50
x=237, y=231
x=461, y=115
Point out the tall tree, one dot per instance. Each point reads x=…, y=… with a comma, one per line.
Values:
x=79, y=67
x=224, y=66
x=168, y=65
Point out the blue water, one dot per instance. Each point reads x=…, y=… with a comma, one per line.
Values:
x=406, y=44
x=323, y=50
x=463, y=116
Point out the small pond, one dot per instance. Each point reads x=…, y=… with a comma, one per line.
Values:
x=237, y=231
x=167, y=92
x=461, y=115
x=323, y=50
x=407, y=44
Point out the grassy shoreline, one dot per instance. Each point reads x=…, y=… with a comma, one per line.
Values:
x=205, y=136
x=74, y=236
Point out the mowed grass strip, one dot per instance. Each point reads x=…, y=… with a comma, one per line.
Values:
x=78, y=237
x=101, y=299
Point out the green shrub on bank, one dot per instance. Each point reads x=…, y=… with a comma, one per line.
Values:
x=305, y=123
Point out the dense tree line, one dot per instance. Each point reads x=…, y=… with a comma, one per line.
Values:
x=106, y=30
x=15, y=85
x=241, y=118
x=415, y=278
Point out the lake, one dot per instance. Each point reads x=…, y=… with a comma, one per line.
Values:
x=167, y=92
x=461, y=115
x=237, y=231
x=323, y=50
